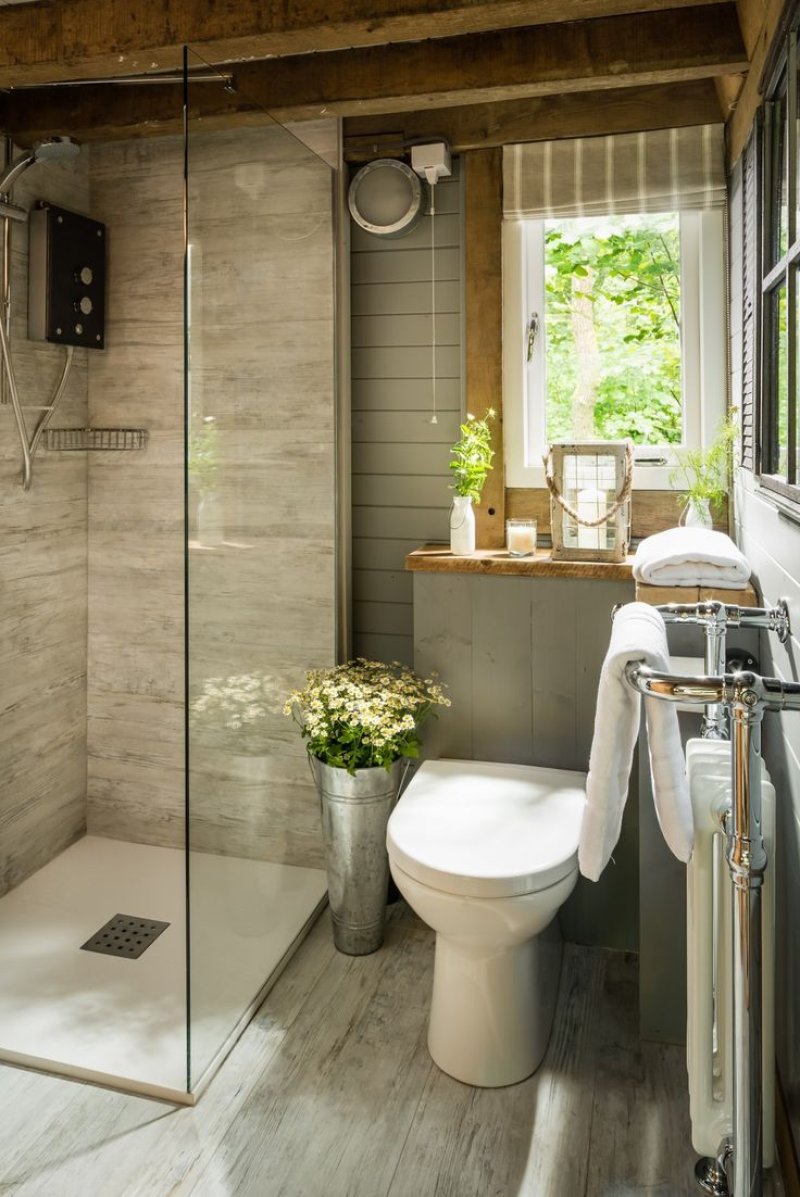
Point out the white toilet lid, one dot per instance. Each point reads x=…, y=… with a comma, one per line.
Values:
x=487, y=830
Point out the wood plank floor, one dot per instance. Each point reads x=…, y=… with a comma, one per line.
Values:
x=331, y=1093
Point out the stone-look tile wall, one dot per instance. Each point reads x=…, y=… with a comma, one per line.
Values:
x=136, y=625
x=261, y=568
x=42, y=583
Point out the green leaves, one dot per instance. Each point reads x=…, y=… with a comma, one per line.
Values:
x=634, y=266
x=707, y=474
x=472, y=457
x=364, y=714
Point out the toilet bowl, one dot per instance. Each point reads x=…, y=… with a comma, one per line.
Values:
x=486, y=854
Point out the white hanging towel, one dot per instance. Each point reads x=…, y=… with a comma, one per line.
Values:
x=691, y=557
x=638, y=634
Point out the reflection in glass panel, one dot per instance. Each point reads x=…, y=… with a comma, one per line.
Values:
x=260, y=553
x=780, y=398
x=780, y=190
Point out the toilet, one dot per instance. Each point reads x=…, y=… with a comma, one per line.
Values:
x=486, y=854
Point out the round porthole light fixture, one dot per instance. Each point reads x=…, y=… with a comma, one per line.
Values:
x=386, y=198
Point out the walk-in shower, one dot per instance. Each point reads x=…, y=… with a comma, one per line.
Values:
x=160, y=852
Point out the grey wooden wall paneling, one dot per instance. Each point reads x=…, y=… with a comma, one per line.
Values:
x=413, y=266
x=382, y=586
x=405, y=428
x=370, y=553
x=394, y=394
x=400, y=490
x=502, y=695
x=370, y=299
x=443, y=645
x=399, y=459
x=553, y=669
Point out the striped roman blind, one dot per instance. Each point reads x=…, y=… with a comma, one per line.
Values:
x=665, y=170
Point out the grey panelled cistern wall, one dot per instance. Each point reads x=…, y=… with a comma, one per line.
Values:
x=522, y=659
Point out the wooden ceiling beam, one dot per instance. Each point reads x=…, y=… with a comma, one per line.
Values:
x=583, y=56
x=763, y=19
x=63, y=39
x=544, y=118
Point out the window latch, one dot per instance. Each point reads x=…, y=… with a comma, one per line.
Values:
x=531, y=330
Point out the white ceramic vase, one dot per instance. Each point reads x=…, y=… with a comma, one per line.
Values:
x=698, y=514
x=462, y=526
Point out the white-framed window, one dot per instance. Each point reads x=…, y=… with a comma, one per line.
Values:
x=592, y=357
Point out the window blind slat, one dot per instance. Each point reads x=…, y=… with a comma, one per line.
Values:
x=660, y=171
x=749, y=291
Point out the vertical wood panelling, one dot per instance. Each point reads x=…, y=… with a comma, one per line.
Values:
x=400, y=460
x=42, y=581
x=521, y=658
x=483, y=324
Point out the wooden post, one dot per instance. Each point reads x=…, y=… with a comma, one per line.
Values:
x=483, y=299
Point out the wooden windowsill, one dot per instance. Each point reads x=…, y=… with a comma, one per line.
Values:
x=437, y=559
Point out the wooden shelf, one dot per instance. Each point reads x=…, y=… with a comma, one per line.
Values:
x=437, y=559
x=658, y=595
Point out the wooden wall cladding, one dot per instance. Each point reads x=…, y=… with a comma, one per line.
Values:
x=651, y=510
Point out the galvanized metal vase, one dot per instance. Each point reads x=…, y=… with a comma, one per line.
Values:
x=355, y=811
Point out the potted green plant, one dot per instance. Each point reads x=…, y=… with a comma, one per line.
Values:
x=361, y=722
x=703, y=476
x=471, y=461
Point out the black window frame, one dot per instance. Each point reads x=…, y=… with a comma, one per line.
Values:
x=778, y=270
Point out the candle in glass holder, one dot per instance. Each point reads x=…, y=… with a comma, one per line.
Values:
x=521, y=538
x=591, y=505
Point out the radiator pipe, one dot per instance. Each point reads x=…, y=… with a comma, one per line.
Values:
x=747, y=860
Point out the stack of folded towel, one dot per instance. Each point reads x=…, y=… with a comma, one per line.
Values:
x=638, y=634
x=691, y=557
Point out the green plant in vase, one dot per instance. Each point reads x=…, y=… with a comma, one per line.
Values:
x=703, y=476
x=471, y=462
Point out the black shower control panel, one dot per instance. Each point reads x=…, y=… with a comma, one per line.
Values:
x=67, y=278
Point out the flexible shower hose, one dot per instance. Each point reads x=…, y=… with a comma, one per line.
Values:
x=29, y=448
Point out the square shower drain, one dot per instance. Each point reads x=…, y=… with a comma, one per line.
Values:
x=125, y=935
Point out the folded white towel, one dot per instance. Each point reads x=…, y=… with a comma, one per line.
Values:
x=691, y=557
x=638, y=634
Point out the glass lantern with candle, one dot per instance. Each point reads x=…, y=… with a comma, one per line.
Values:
x=590, y=499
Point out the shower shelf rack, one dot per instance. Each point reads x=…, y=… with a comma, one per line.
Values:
x=65, y=440
x=744, y=697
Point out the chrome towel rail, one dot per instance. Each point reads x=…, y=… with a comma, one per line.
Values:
x=746, y=696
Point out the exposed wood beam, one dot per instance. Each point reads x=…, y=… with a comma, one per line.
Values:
x=581, y=114
x=728, y=90
x=62, y=39
x=583, y=56
x=751, y=19
x=741, y=120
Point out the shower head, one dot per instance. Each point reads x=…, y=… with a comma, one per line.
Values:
x=56, y=149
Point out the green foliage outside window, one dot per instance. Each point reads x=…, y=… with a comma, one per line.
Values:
x=613, y=329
